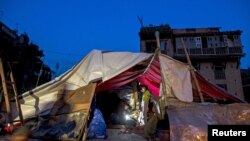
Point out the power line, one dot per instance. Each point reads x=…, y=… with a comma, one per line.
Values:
x=63, y=53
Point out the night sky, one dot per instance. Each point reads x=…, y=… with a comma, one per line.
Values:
x=66, y=30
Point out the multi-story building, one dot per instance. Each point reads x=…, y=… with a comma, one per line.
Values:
x=24, y=58
x=245, y=76
x=215, y=54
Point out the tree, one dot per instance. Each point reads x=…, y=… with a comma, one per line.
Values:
x=25, y=60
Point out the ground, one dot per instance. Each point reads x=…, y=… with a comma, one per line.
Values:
x=120, y=135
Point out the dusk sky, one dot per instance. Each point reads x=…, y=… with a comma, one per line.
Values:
x=66, y=30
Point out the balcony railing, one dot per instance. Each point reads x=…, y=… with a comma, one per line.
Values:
x=219, y=75
x=211, y=51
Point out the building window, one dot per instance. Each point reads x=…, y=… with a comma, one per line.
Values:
x=184, y=39
x=191, y=39
x=211, y=45
x=150, y=47
x=209, y=38
x=216, y=45
x=219, y=72
x=163, y=45
x=236, y=37
x=225, y=38
x=198, y=45
x=223, y=86
x=198, y=42
x=215, y=38
x=198, y=39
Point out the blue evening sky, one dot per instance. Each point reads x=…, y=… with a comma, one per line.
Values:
x=68, y=29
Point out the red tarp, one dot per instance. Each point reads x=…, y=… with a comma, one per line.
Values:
x=151, y=77
x=120, y=80
x=210, y=89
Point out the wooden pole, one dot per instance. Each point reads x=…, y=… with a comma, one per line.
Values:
x=40, y=73
x=18, y=105
x=192, y=71
x=6, y=96
x=157, y=36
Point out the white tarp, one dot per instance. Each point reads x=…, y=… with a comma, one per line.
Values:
x=96, y=65
x=177, y=76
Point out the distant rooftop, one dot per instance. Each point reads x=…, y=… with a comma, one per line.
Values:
x=166, y=31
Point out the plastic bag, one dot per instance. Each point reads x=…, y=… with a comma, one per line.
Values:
x=97, y=126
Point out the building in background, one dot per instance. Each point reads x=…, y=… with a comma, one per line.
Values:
x=245, y=75
x=215, y=54
x=25, y=59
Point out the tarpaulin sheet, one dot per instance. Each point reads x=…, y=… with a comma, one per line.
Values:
x=177, y=76
x=106, y=67
x=189, y=121
x=65, y=126
x=68, y=116
x=97, y=65
x=152, y=77
x=214, y=91
x=120, y=80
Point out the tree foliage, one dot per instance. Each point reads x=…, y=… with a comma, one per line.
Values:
x=25, y=59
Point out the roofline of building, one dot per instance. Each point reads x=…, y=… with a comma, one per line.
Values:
x=166, y=29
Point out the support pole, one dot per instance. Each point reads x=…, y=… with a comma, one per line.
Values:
x=192, y=71
x=18, y=105
x=40, y=73
x=157, y=36
x=6, y=96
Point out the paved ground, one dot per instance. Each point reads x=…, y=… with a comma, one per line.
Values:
x=117, y=135
x=120, y=135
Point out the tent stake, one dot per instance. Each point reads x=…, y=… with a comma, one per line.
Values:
x=192, y=71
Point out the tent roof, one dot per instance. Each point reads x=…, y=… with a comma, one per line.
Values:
x=116, y=68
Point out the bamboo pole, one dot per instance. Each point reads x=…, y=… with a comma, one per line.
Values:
x=40, y=73
x=18, y=105
x=192, y=71
x=157, y=36
x=6, y=96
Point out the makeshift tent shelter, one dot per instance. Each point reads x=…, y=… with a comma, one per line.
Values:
x=165, y=77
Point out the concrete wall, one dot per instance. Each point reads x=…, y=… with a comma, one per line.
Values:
x=233, y=77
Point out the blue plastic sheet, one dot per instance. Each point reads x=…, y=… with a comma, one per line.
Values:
x=97, y=126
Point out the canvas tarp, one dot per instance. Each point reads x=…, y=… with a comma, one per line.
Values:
x=68, y=117
x=112, y=69
x=95, y=66
x=177, y=78
x=189, y=121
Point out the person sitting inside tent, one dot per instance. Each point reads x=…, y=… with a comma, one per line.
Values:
x=144, y=105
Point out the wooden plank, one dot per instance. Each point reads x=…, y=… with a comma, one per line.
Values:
x=6, y=96
x=18, y=105
x=84, y=130
x=192, y=72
